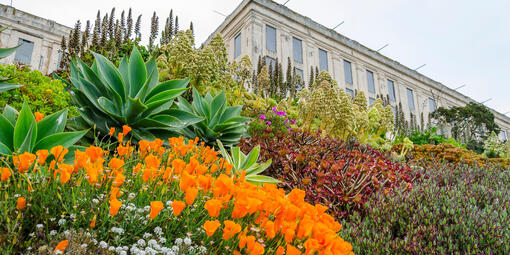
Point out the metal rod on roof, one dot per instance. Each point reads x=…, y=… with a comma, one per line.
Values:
x=285, y=2
x=338, y=25
x=419, y=67
x=382, y=48
x=220, y=13
x=486, y=101
x=460, y=87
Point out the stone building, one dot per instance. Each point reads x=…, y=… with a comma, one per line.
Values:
x=265, y=28
x=39, y=38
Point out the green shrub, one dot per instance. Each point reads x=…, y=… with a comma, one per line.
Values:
x=456, y=210
x=430, y=136
x=43, y=94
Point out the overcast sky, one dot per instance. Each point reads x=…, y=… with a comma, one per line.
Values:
x=460, y=41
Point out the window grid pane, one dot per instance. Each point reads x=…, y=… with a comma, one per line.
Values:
x=432, y=105
x=370, y=82
x=391, y=90
x=270, y=38
x=270, y=61
x=237, y=46
x=371, y=101
x=297, y=50
x=350, y=92
x=348, y=72
x=323, y=60
x=410, y=99
x=24, y=52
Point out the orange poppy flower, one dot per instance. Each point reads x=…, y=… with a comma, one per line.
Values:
x=93, y=222
x=280, y=250
x=247, y=241
x=311, y=246
x=120, y=137
x=38, y=116
x=186, y=181
x=42, y=155
x=23, y=161
x=156, y=207
x=6, y=174
x=222, y=185
x=115, y=206
x=65, y=172
x=178, y=165
x=147, y=173
x=94, y=153
x=116, y=164
x=191, y=194
x=231, y=228
x=80, y=159
x=119, y=179
x=257, y=249
x=205, y=182
x=211, y=226
x=21, y=203
x=213, y=206
x=59, y=152
x=297, y=196
x=112, y=131
x=177, y=207
x=123, y=150
x=125, y=130
x=289, y=235
x=152, y=161
x=269, y=228
x=291, y=250
x=62, y=246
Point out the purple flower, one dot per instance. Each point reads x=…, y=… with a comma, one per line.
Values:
x=274, y=109
x=268, y=122
x=286, y=120
x=262, y=117
x=293, y=121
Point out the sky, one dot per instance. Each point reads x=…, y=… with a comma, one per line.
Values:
x=462, y=42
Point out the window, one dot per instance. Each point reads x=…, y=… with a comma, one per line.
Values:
x=350, y=92
x=502, y=135
x=270, y=38
x=394, y=110
x=371, y=101
x=270, y=61
x=323, y=60
x=301, y=74
x=391, y=90
x=24, y=52
x=370, y=82
x=237, y=46
x=432, y=105
x=348, y=72
x=297, y=50
x=410, y=99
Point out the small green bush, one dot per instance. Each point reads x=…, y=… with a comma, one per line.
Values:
x=455, y=210
x=43, y=94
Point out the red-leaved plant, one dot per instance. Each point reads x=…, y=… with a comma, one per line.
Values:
x=331, y=172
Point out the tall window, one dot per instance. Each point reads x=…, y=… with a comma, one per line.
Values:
x=432, y=105
x=348, y=72
x=297, y=50
x=371, y=101
x=370, y=82
x=301, y=74
x=502, y=135
x=270, y=38
x=237, y=46
x=410, y=99
x=270, y=62
x=391, y=90
x=323, y=60
x=24, y=52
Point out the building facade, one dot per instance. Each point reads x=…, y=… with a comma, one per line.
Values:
x=39, y=38
x=265, y=28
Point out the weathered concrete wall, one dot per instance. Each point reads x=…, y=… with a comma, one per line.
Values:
x=45, y=34
x=251, y=17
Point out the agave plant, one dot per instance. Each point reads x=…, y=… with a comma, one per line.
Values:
x=4, y=52
x=131, y=95
x=221, y=122
x=242, y=162
x=20, y=132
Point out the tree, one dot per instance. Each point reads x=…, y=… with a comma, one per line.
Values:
x=471, y=124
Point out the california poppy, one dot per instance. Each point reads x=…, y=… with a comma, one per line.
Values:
x=156, y=207
x=211, y=226
x=23, y=161
x=21, y=203
x=213, y=206
x=62, y=246
x=38, y=116
x=125, y=130
x=42, y=155
x=191, y=194
x=93, y=222
x=6, y=174
x=231, y=228
x=291, y=250
x=177, y=207
x=115, y=206
x=112, y=131
x=116, y=163
x=280, y=250
x=59, y=152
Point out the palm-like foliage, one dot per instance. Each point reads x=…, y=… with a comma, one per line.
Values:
x=20, y=132
x=4, y=86
x=242, y=162
x=221, y=122
x=131, y=95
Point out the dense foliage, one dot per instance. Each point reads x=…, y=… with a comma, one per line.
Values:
x=181, y=199
x=4, y=81
x=43, y=94
x=429, y=136
x=339, y=175
x=455, y=210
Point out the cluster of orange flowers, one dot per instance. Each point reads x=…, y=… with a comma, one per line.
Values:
x=297, y=226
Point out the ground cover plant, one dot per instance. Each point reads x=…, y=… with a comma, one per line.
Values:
x=456, y=209
x=180, y=199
